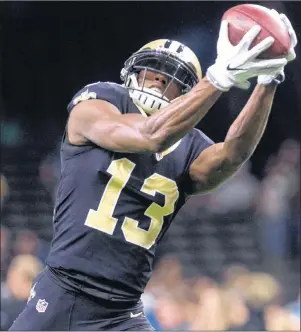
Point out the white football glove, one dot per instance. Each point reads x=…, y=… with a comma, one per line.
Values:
x=236, y=64
x=279, y=77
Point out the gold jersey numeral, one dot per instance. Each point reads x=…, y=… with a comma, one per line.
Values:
x=102, y=219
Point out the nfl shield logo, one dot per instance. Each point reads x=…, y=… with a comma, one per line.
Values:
x=41, y=305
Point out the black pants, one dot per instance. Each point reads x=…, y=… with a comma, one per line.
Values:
x=51, y=307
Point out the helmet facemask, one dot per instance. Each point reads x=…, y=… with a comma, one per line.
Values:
x=159, y=61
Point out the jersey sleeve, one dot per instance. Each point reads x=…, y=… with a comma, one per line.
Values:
x=198, y=143
x=110, y=92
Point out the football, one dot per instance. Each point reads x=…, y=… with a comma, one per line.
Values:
x=243, y=17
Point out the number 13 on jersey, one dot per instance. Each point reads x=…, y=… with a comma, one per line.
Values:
x=102, y=219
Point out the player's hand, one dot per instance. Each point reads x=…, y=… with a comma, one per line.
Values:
x=292, y=54
x=279, y=77
x=236, y=64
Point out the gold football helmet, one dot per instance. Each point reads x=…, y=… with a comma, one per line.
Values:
x=168, y=57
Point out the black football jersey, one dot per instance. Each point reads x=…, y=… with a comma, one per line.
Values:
x=112, y=208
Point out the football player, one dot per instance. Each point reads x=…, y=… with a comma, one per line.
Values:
x=130, y=158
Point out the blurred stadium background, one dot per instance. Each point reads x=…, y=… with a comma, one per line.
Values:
x=231, y=259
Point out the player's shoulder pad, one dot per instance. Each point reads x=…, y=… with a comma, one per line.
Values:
x=196, y=142
x=201, y=137
x=111, y=92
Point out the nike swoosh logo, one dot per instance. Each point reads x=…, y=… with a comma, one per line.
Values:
x=231, y=69
x=136, y=315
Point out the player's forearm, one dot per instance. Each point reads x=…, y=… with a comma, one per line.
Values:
x=247, y=130
x=170, y=125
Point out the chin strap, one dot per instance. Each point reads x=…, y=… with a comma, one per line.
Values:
x=149, y=100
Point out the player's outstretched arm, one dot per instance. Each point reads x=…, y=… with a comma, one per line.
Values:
x=220, y=161
x=100, y=122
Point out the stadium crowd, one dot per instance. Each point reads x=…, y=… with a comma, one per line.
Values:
x=238, y=297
